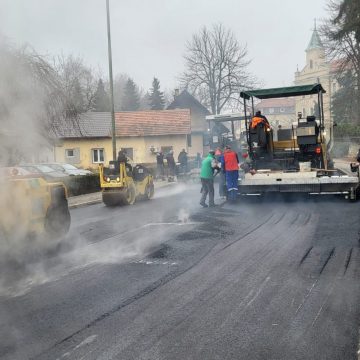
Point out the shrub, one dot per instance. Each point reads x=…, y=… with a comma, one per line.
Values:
x=340, y=149
x=82, y=184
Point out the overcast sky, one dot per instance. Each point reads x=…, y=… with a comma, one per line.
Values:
x=148, y=36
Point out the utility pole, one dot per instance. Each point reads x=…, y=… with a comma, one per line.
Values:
x=111, y=84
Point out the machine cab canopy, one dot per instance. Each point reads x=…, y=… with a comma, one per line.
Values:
x=283, y=92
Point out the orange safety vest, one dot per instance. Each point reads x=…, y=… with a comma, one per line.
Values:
x=231, y=160
x=256, y=120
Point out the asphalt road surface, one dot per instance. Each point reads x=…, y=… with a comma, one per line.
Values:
x=273, y=278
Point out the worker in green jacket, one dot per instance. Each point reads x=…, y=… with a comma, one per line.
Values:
x=208, y=167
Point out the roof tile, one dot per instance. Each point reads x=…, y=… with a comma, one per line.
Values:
x=153, y=122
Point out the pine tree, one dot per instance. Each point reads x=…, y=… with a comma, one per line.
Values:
x=131, y=99
x=101, y=99
x=156, y=97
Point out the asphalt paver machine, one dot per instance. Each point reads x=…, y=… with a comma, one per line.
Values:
x=297, y=159
x=122, y=183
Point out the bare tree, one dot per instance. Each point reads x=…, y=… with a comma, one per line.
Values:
x=341, y=34
x=216, y=68
x=78, y=82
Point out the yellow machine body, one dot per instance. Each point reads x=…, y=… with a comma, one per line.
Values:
x=122, y=184
x=33, y=206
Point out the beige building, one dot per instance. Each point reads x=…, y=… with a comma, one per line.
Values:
x=279, y=111
x=316, y=70
x=141, y=133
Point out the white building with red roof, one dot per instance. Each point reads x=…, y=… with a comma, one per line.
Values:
x=141, y=133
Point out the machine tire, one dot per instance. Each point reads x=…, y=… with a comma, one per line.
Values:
x=109, y=199
x=149, y=191
x=129, y=195
x=57, y=221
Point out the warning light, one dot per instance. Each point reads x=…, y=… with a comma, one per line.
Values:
x=318, y=150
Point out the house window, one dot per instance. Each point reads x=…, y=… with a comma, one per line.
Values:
x=311, y=64
x=69, y=153
x=271, y=110
x=282, y=110
x=97, y=156
x=72, y=156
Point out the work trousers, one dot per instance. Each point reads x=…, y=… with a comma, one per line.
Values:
x=207, y=187
x=160, y=170
x=232, y=183
x=221, y=184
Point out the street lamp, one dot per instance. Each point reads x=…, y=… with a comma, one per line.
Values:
x=113, y=135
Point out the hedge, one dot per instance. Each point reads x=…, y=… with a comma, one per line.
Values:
x=82, y=184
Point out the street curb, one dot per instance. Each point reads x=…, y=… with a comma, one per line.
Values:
x=98, y=201
x=92, y=202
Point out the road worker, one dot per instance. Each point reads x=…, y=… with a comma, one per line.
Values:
x=259, y=119
x=231, y=167
x=209, y=166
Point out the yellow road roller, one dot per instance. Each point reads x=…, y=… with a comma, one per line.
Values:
x=122, y=183
x=31, y=206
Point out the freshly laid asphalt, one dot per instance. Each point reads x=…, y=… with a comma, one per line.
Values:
x=265, y=278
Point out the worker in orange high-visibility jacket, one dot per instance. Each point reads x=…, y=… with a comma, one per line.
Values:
x=259, y=119
x=231, y=166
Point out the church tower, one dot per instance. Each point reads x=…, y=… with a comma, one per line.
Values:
x=317, y=69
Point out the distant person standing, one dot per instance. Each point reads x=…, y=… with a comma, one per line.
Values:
x=122, y=158
x=171, y=165
x=198, y=160
x=208, y=167
x=358, y=156
x=183, y=160
x=160, y=165
x=231, y=167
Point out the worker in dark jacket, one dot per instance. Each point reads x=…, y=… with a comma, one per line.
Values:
x=207, y=173
x=259, y=119
x=171, y=165
x=183, y=160
x=160, y=165
x=122, y=158
x=231, y=167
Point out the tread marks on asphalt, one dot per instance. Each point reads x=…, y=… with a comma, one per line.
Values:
x=307, y=219
x=348, y=259
x=247, y=233
x=160, y=282
x=330, y=255
x=293, y=221
x=152, y=287
x=305, y=255
x=315, y=260
x=280, y=218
